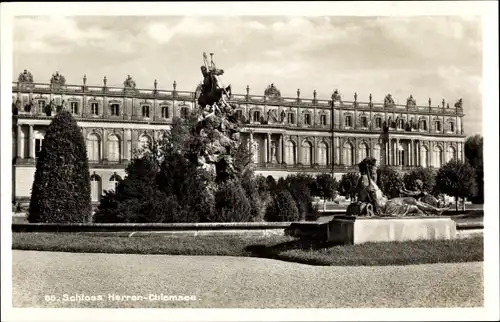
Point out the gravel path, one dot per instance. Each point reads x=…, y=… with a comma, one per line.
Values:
x=223, y=282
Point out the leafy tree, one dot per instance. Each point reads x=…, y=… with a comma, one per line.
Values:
x=348, y=184
x=136, y=198
x=426, y=175
x=298, y=186
x=389, y=181
x=231, y=203
x=282, y=208
x=328, y=186
x=473, y=150
x=61, y=188
x=271, y=184
x=457, y=179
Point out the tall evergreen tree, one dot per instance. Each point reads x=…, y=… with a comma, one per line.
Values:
x=61, y=189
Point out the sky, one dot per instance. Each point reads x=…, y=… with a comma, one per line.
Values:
x=424, y=56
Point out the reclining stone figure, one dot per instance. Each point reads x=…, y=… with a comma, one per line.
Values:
x=372, y=202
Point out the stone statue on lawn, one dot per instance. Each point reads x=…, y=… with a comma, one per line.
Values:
x=372, y=202
x=217, y=126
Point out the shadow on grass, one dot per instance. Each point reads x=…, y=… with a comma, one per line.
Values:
x=302, y=244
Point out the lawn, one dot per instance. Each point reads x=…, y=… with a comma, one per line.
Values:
x=281, y=248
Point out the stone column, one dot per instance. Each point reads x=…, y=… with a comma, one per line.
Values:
x=341, y=151
x=299, y=150
x=388, y=153
x=266, y=148
x=356, y=151
x=19, y=143
x=250, y=147
x=123, y=154
x=431, y=152
x=279, y=156
x=462, y=152
x=31, y=143
x=104, y=144
x=398, y=159
x=269, y=144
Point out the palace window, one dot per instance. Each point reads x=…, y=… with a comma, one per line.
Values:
x=322, y=153
x=438, y=126
x=291, y=118
x=113, y=148
x=378, y=122
x=452, y=127
x=401, y=124
x=115, y=180
x=38, y=147
x=95, y=188
x=423, y=125
x=322, y=119
x=74, y=107
x=364, y=121
x=256, y=116
x=145, y=111
x=41, y=105
x=164, y=112
x=93, y=148
x=348, y=121
x=115, y=109
x=95, y=108
x=184, y=112
x=307, y=119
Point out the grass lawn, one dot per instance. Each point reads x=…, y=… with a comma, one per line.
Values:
x=282, y=248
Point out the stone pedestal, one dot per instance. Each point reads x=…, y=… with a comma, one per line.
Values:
x=347, y=230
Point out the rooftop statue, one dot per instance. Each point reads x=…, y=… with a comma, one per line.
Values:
x=458, y=104
x=411, y=101
x=336, y=96
x=57, y=79
x=372, y=202
x=25, y=77
x=388, y=101
x=272, y=92
x=129, y=82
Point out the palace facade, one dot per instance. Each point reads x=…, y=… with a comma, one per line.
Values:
x=286, y=135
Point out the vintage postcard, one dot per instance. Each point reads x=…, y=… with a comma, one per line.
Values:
x=287, y=160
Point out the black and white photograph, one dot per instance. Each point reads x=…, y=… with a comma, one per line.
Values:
x=250, y=155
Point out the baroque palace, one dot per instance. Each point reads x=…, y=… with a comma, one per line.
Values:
x=284, y=134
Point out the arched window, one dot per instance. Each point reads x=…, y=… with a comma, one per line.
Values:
x=95, y=188
x=93, y=147
x=424, y=156
x=378, y=122
x=307, y=152
x=322, y=153
x=347, y=154
x=438, y=156
x=363, y=152
x=377, y=153
x=115, y=109
x=307, y=119
x=451, y=154
x=38, y=137
x=290, y=153
x=113, y=148
x=165, y=112
x=115, y=180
